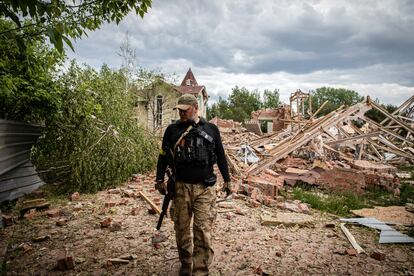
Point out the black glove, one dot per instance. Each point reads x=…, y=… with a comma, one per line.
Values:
x=160, y=186
x=227, y=188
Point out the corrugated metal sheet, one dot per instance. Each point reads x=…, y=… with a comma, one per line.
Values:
x=17, y=174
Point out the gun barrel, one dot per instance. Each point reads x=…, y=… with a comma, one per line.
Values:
x=164, y=210
x=160, y=220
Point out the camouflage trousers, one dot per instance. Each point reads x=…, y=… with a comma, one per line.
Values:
x=194, y=203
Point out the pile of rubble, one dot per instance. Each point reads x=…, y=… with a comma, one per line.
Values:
x=343, y=151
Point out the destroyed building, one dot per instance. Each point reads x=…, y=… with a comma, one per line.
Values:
x=342, y=151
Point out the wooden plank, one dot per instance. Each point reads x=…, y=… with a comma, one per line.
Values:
x=385, y=130
x=391, y=117
x=351, y=239
x=396, y=150
x=403, y=106
x=361, y=150
x=314, y=130
x=361, y=136
x=150, y=202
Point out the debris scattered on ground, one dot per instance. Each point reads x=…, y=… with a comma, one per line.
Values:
x=75, y=196
x=34, y=204
x=65, y=262
x=358, y=249
x=390, y=214
x=260, y=229
x=287, y=219
x=387, y=234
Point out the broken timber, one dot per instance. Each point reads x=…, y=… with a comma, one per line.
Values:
x=150, y=202
x=287, y=146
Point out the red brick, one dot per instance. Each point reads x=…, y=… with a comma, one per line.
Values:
x=351, y=252
x=114, y=191
x=304, y=208
x=124, y=201
x=135, y=211
x=53, y=213
x=77, y=207
x=7, y=220
x=75, y=196
x=267, y=187
x=110, y=204
x=30, y=214
x=377, y=255
x=106, y=222
x=342, y=180
x=129, y=193
x=61, y=222
x=65, y=262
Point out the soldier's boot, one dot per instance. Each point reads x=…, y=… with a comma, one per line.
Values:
x=185, y=269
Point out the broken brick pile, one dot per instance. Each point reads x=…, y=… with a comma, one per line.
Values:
x=330, y=152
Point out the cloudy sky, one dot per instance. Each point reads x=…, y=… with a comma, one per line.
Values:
x=367, y=46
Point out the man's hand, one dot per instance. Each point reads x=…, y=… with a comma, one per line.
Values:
x=227, y=188
x=160, y=186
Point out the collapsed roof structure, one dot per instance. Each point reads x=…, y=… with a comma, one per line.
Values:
x=344, y=142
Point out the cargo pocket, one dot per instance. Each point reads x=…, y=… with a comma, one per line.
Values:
x=213, y=205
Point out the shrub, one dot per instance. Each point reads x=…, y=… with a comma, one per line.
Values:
x=93, y=142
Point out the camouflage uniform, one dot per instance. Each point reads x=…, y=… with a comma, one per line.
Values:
x=190, y=149
x=197, y=202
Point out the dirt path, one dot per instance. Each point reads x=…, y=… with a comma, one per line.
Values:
x=242, y=245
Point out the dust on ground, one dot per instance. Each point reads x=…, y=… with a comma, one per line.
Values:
x=242, y=245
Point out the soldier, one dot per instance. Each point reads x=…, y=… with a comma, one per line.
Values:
x=191, y=146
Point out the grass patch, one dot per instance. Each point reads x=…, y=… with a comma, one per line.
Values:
x=407, y=193
x=342, y=204
x=336, y=204
x=410, y=232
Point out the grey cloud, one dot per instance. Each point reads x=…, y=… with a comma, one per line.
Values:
x=371, y=41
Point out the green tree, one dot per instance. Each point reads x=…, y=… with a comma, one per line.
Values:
x=62, y=21
x=242, y=102
x=220, y=109
x=93, y=142
x=335, y=97
x=271, y=99
x=28, y=90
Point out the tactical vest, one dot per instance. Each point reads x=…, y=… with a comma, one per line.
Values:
x=196, y=149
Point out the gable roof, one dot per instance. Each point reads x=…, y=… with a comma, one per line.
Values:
x=189, y=76
x=189, y=85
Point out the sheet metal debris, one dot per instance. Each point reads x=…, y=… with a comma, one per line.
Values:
x=387, y=234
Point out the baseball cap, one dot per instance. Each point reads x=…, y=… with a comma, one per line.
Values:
x=185, y=102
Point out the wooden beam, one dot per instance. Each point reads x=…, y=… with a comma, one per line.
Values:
x=150, y=202
x=351, y=239
x=391, y=117
x=333, y=118
x=361, y=136
x=382, y=128
x=403, y=106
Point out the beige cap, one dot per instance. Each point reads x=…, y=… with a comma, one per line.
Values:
x=185, y=102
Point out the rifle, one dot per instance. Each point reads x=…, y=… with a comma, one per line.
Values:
x=167, y=198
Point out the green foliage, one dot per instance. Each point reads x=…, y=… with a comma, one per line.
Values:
x=220, y=109
x=61, y=21
x=342, y=203
x=336, y=204
x=240, y=104
x=335, y=97
x=271, y=99
x=93, y=142
x=243, y=102
x=27, y=88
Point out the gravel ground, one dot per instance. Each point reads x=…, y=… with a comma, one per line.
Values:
x=242, y=245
